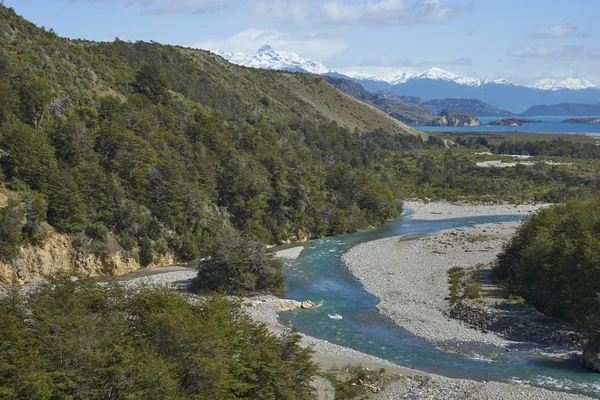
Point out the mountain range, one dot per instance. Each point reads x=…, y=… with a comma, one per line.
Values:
x=435, y=83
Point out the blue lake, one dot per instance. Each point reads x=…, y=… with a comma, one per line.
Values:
x=320, y=275
x=551, y=124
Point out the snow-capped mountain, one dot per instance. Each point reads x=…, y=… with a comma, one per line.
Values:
x=434, y=83
x=436, y=74
x=393, y=78
x=268, y=58
x=569, y=84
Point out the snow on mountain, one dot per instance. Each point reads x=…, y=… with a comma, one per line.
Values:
x=268, y=58
x=569, y=83
x=398, y=77
x=443, y=75
x=501, y=81
x=392, y=78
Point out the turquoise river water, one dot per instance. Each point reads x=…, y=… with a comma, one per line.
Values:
x=347, y=316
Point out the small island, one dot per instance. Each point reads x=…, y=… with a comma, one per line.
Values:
x=514, y=122
x=593, y=120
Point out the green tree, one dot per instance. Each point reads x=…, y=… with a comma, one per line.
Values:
x=35, y=97
x=66, y=209
x=150, y=81
x=239, y=265
x=552, y=261
x=80, y=340
x=28, y=156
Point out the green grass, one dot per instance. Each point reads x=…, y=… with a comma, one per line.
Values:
x=464, y=283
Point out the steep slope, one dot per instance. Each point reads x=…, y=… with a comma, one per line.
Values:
x=159, y=153
x=303, y=94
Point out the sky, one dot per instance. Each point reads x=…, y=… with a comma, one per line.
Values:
x=519, y=40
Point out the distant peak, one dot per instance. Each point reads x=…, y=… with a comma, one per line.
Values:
x=265, y=49
x=268, y=58
x=569, y=84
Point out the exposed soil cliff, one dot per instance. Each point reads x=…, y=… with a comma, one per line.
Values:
x=56, y=255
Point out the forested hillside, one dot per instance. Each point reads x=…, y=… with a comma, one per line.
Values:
x=154, y=149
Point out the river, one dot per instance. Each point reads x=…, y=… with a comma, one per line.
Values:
x=347, y=316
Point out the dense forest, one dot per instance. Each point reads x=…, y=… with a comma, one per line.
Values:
x=552, y=261
x=82, y=341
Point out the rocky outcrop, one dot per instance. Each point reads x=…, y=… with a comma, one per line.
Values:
x=591, y=356
x=307, y=305
x=456, y=118
x=57, y=256
x=516, y=322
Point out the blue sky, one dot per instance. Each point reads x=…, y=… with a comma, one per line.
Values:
x=520, y=40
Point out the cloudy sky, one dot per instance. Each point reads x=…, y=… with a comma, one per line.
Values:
x=520, y=40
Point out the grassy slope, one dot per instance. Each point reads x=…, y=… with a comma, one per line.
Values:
x=300, y=93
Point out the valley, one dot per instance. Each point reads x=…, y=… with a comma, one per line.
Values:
x=181, y=218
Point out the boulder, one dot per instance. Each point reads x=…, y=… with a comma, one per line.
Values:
x=307, y=304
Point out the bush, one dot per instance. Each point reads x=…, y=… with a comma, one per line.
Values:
x=240, y=265
x=473, y=290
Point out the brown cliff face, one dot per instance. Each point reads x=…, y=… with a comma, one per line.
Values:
x=57, y=256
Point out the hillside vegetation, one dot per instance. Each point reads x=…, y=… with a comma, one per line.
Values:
x=158, y=150
x=408, y=113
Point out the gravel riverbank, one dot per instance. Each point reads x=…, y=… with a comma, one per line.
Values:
x=410, y=277
x=443, y=209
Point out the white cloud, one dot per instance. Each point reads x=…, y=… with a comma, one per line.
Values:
x=249, y=40
x=554, y=32
x=562, y=52
x=371, y=13
x=157, y=7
